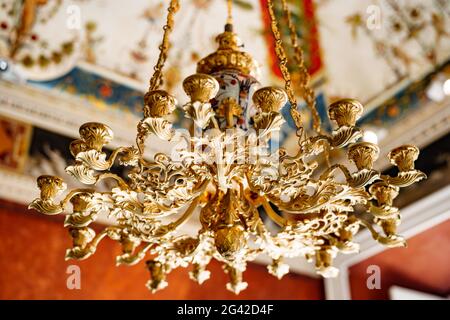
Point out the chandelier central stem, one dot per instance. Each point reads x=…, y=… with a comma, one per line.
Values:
x=230, y=12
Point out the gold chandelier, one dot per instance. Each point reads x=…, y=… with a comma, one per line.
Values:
x=228, y=173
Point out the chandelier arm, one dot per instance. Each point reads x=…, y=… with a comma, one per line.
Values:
x=133, y=258
x=327, y=146
x=95, y=161
x=53, y=208
x=305, y=79
x=335, y=167
x=396, y=241
x=163, y=230
x=114, y=154
x=145, y=163
x=86, y=249
x=197, y=193
x=122, y=184
x=306, y=144
x=265, y=203
x=279, y=220
x=308, y=206
x=156, y=79
x=73, y=193
x=281, y=55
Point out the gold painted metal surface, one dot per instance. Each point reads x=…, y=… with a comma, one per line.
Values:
x=227, y=56
x=229, y=176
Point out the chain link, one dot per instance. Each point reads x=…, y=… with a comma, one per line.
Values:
x=306, y=91
x=156, y=79
x=230, y=11
x=281, y=55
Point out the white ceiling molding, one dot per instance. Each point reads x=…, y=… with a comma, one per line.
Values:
x=399, y=293
x=63, y=113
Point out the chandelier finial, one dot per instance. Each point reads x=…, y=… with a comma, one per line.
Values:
x=228, y=56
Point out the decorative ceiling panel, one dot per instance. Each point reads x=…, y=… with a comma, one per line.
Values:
x=95, y=57
x=371, y=46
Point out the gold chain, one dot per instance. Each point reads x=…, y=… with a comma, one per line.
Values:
x=230, y=11
x=156, y=78
x=306, y=91
x=281, y=55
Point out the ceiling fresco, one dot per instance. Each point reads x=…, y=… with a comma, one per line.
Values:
x=66, y=62
x=356, y=48
x=51, y=36
x=370, y=46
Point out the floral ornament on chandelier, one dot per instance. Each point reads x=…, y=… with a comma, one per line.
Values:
x=229, y=175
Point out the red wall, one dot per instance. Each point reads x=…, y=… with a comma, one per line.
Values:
x=32, y=266
x=423, y=266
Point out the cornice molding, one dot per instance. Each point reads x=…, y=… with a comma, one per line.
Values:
x=64, y=114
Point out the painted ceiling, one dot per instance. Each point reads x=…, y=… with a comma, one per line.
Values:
x=73, y=61
x=362, y=46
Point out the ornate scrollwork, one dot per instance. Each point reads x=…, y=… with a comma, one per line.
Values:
x=343, y=136
x=229, y=109
x=159, y=127
x=158, y=103
x=363, y=154
x=200, y=113
x=406, y=178
x=83, y=174
x=50, y=187
x=267, y=122
x=270, y=99
x=201, y=87
x=345, y=112
x=363, y=177
x=227, y=178
x=94, y=159
x=95, y=135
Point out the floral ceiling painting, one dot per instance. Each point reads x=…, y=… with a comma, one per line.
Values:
x=92, y=59
x=121, y=43
x=354, y=48
x=386, y=42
